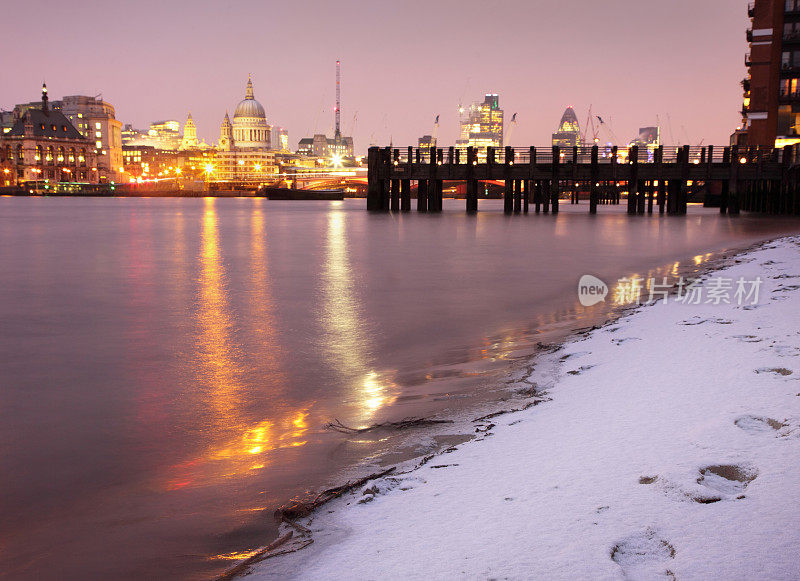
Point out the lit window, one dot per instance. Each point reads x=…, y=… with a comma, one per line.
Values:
x=98, y=134
x=97, y=125
x=98, y=144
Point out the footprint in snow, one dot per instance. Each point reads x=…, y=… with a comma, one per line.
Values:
x=747, y=338
x=644, y=555
x=723, y=482
x=699, y=321
x=622, y=340
x=580, y=370
x=760, y=424
x=777, y=370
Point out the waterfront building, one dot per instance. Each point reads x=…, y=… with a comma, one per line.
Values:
x=95, y=119
x=244, y=155
x=326, y=148
x=6, y=121
x=482, y=123
x=771, y=103
x=44, y=146
x=568, y=133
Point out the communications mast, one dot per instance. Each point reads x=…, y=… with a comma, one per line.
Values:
x=338, y=135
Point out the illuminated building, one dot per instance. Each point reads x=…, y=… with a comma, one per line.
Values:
x=482, y=124
x=131, y=136
x=426, y=141
x=568, y=133
x=244, y=157
x=189, y=140
x=164, y=134
x=96, y=121
x=771, y=100
x=281, y=139
x=44, y=146
x=325, y=148
x=648, y=137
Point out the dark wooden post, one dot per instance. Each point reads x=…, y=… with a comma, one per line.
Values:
x=405, y=195
x=373, y=180
x=573, y=185
x=709, y=167
x=472, y=183
x=593, y=186
x=723, y=203
x=529, y=181
x=508, y=184
x=433, y=173
x=451, y=155
x=633, y=178
x=662, y=186
x=386, y=184
x=641, y=189
x=615, y=174
x=555, y=184
x=422, y=195
x=684, y=188
x=517, y=195
x=733, y=191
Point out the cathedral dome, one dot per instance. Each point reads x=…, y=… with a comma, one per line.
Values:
x=250, y=128
x=249, y=108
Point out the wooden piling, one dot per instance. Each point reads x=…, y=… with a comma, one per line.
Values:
x=595, y=177
x=633, y=178
x=555, y=184
x=508, y=184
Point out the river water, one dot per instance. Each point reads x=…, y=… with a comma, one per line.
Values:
x=167, y=365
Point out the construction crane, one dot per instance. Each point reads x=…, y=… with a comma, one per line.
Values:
x=511, y=125
x=436, y=130
x=607, y=127
x=595, y=129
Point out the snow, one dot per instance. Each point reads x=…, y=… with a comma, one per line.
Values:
x=672, y=456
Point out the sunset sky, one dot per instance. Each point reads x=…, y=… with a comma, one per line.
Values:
x=403, y=62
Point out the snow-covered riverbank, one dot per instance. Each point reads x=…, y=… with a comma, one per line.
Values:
x=670, y=449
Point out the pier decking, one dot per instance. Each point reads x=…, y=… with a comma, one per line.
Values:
x=751, y=179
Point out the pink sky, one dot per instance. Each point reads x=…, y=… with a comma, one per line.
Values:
x=403, y=62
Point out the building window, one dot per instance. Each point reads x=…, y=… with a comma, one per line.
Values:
x=97, y=126
x=98, y=144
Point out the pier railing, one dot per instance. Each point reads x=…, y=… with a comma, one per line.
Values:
x=750, y=178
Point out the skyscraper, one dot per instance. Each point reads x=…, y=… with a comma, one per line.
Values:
x=568, y=133
x=482, y=124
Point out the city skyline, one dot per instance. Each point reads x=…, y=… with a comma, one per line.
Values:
x=540, y=58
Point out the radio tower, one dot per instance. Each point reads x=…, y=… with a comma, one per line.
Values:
x=338, y=109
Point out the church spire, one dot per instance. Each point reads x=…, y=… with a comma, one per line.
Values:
x=44, y=97
x=249, y=92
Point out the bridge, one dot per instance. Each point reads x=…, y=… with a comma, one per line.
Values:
x=752, y=179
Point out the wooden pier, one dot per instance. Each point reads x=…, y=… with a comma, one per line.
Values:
x=650, y=179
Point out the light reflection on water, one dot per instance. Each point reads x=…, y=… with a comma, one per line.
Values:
x=345, y=330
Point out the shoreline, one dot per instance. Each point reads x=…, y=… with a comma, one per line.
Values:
x=727, y=261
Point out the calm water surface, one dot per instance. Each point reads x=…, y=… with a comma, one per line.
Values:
x=166, y=365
